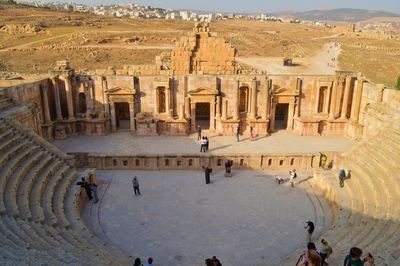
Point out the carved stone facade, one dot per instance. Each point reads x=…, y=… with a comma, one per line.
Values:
x=198, y=84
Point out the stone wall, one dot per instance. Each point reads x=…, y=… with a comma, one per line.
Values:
x=195, y=162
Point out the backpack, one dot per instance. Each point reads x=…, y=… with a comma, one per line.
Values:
x=295, y=175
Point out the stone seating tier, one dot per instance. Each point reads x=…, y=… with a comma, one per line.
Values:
x=40, y=219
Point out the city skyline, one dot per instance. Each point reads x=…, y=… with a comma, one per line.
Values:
x=257, y=6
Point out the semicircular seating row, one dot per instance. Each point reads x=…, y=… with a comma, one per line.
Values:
x=366, y=210
x=40, y=220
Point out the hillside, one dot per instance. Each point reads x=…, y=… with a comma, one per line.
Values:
x=340, y=14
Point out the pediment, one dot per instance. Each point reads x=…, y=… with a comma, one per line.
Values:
x=285, y=92
x=120, y=91
x=203, y=91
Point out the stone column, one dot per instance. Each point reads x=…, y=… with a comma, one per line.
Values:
x=355, y=108
x=168, y=101
x=343, y=114
x=224, y=109
x=236, y=102
x=132, y=116
x=253, y=105
x=193, y=116
x=267, y=100
x=218, y=107
x=57, y=98
x=187, y=107
x=212, y=114
x=47, y=118
x=299, y=89
x=70, y=103
x=291, y=112
x=113, y=118
x=105, y=98
x=272, y=117
x=333, y=99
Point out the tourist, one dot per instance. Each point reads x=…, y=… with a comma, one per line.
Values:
x=305, y=259
x=207, y=143
x=203, y=144
x=215, y=261
x=135, y=184
x=86, y=186
x=238, y=133
x=293, y=175
x=279, y=179
x=138, y=262
x=369, y=260
x=149, y=262
x=93, y=187
x=310, y=230
x=325, y=251
x=228, y=166
x=251, y=133
x=342, y=176
x=313, y=259
x=198, y=132
x=354, y=257
x=207, y=173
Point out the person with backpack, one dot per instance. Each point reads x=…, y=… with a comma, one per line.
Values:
x=325, y=251
x=354, y=257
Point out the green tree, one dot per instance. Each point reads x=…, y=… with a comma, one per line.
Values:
x=398, y=83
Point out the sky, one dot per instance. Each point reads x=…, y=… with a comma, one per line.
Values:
x=259, y=6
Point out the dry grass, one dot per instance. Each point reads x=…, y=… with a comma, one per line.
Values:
x=251, y=38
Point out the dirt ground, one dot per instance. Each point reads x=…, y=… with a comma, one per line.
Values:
x=32, y=40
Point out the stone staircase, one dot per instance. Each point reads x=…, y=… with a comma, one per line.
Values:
x=4, y=101
x=40, y=219
x=366, y=211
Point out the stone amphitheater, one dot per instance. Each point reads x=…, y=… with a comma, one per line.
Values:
x=44, y=218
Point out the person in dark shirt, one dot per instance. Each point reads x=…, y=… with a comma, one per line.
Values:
x=354, y=257
x=86, y=186
x=310, y=230
x=207, y=173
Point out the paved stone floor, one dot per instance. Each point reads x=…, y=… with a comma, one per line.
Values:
x=123, y=143
x=178, y=220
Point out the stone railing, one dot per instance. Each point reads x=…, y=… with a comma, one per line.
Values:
x=195, y=162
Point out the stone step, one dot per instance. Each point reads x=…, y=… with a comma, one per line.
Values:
x=9, y=234
x=72, y=205
x=14, y=149
x=60, y=195
x=25, y=187
x=9, y=168
x=5, y=103
x=34, y=199
x=6, y=135
x=47, y=193
x=10, y=196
